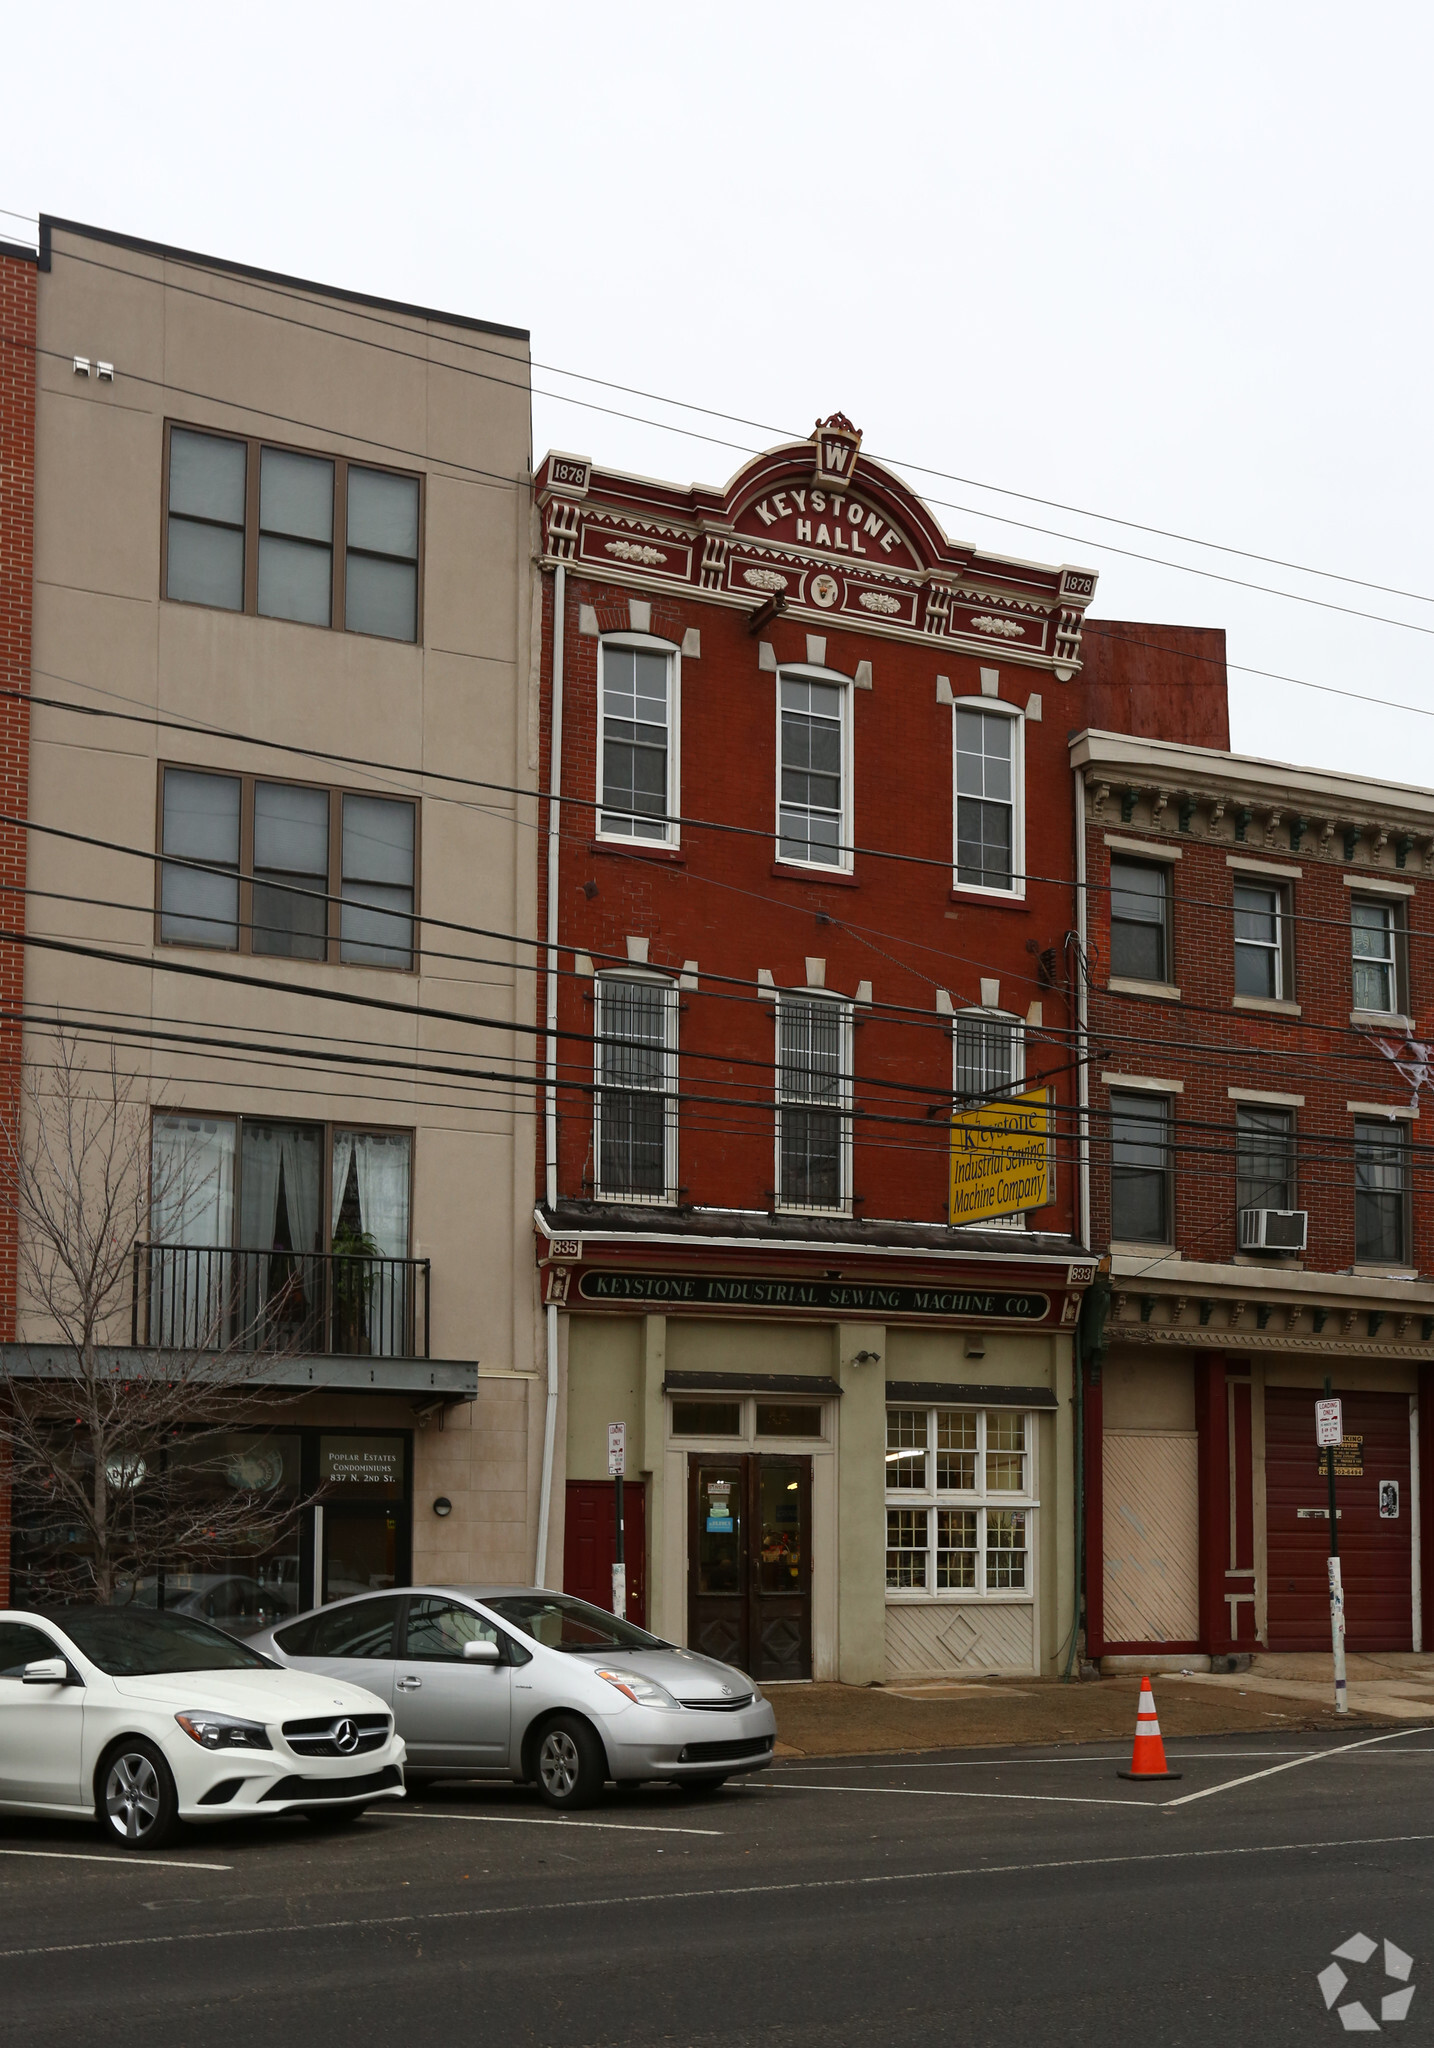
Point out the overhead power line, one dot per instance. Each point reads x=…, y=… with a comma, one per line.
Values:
x=467, y=345
x=563, y=398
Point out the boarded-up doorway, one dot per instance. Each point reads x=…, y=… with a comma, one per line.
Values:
x=1152, y=1536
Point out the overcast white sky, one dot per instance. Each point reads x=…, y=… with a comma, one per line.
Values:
x=1168, y=263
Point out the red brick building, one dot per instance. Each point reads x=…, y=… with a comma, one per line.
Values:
x=1257, y=974
x=17, y=546
x=811, y=879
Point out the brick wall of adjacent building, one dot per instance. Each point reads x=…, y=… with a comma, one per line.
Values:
x=17, y=544
x=1205, y=1042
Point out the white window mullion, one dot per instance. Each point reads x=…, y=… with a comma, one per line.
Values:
x=637, y=756
x=989, y=798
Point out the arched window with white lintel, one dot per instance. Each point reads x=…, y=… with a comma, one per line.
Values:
x=988, y=746
x=639, y=720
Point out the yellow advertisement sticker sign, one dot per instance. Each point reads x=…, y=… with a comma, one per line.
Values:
x=1001, y=1157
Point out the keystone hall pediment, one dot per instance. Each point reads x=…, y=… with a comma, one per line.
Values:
x=815, y=526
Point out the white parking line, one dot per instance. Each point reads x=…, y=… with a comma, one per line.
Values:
x=530, y=1907
x=533, y=1820
x=120, y=1862
x=1002, y=1763
x=1310, y=1757
x=923, y=1792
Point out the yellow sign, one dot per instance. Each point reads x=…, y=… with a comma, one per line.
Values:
x=1001, y=1158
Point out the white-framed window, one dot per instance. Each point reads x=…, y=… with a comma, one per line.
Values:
x=988, y=1060
x=747, y=1421
x=814, y=768
x=813, y=1102
x=989, y=804
x=635, y=1100
x=1261, y=939
x=1375, y=933
x=960, y=1503
x=639, y=701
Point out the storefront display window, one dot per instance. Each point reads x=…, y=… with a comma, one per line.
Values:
x=981, y=1547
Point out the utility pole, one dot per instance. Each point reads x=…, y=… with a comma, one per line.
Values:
x=617, y=1465
x=1329, y=1432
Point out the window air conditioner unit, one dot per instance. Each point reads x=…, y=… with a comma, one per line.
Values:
x=1273, y=1230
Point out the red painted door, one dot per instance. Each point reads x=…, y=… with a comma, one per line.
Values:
x=590, y=1543
x=1375, y=1550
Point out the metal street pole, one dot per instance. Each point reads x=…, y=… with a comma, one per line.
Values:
x=616, y=1465
x=1336, y=1582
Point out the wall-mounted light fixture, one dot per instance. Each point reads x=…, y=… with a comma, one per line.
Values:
x=866, y=1358
x=442, y=1506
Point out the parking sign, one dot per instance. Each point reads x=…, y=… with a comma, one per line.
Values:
x=1329, y=1424
x=616, y=1449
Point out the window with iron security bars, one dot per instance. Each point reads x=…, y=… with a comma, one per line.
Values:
x=635, y=1102
x=813, y=1103
x=960, y=1503
x=989, y=1061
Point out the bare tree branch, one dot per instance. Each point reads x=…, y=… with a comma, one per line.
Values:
x=123, y=1465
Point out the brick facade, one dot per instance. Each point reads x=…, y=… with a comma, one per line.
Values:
x=724, y=900
x=17, y=545
x=1201, y=1406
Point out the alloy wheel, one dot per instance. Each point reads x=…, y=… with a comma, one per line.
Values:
x=132, y=1796
x=559, y=1764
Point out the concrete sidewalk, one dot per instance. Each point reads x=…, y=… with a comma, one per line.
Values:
x=846, y=1720
x=1395, y=1683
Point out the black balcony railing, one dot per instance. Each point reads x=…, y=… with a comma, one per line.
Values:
x=344, y=1304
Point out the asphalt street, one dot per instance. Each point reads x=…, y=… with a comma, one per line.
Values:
x=998, y=1896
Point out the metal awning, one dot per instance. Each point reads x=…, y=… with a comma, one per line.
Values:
x=819, y=1386
x=949, y=1393
x=349, y=1375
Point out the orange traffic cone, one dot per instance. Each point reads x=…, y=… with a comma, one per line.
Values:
x=1148, y=1757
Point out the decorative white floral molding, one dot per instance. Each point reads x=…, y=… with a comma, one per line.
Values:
x=764, y=579
x=651, y=558
x=1006, y=628
x=878, y=601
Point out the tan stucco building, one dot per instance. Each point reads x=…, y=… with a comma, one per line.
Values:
x=282, y=632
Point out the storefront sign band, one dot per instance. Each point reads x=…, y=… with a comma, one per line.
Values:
x=717, y=1290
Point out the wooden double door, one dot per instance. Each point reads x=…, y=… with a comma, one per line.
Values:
x=749, y=1562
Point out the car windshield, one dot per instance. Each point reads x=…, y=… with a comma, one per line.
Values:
x=561, y=1623
x=127, y=1642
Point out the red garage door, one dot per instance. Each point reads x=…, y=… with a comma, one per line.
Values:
x=589, y=1541
x=1374, y=1551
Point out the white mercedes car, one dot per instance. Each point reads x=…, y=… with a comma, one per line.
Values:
x=142, y=1720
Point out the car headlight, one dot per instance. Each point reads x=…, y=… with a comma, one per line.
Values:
x=643, y=1692
x=223, y=1731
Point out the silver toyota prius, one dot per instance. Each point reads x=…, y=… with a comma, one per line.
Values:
x=536, y=1687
